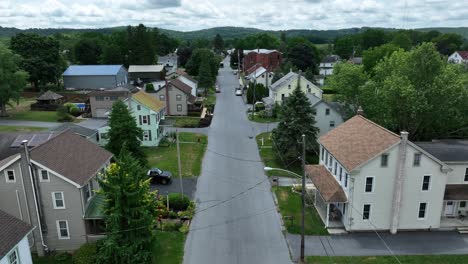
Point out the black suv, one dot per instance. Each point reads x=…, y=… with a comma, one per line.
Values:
x=160, y=176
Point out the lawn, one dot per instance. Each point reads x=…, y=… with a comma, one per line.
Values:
x=211, y=98
x=271, y=158
x=414, y=259
x=328, y=97
x=22, y=112
x=55, y=259
x=20, y=129
x=165, y=156
x=290, y=205
x=168, y=247
x=185, y=121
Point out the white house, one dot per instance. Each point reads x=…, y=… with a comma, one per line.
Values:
x=459, y=57
x=188, y=80
x=260, y=75
x=327, y=64
x=328, y=115
x=282, y=88
x=370, y=178
x=14, y=245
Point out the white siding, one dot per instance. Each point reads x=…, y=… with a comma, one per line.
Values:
x=323, y=121
x=24, y=253
x=288, y=88
x=457, y=175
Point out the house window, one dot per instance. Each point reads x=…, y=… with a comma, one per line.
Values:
x=366, y=212
x=144, y=119
x=384, y=160
x=332, y=123
x=309, y=90
x=87, y=192
x=13, y=257
x=263, y=75
x=466, y=174
x=308, y=86
x=162, y=97
x=138, y=107
x=282, y=97
x=178, y=97
x=99, y=98
x=422, y=210
x=58, y=200
x=462, y=204
x=179, y=108
x=289, y=86
x=44, y=176
x=113, y=98
x=341, y=173
x=327, y=111
x=426, y=182
x=323, y=152
x=369, y=184
x=269, y=75
x=10, y=176
x=417, y=159
x=62, y=229
x=330, y=159
x=326, y=157
x=146, y=135
x=336, y=168
x=346, y=180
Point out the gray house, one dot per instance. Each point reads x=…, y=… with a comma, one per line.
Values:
x=51, y=187
x=328, y=115
x=101, y=101
x=169, y=62
x=94, y=77
x=177, y=95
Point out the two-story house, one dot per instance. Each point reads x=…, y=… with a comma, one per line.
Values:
x=51, y=188
x=268, y=59
x=459, y=57
x=177, y=96
x=282, y=88
x=101, y=101
x=327, y=64
x=328, y=115
x=188, y=80
x=370, y=178
x=258, y=74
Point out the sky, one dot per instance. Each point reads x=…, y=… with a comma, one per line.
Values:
x=188, y=15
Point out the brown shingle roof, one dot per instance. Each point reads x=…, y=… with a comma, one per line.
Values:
x=49, y=95
x=357, y=140
x=463, y=54
x=456, y=192
x=181, y=86
x=12, y=230
x=329, y=188
x=72, y=156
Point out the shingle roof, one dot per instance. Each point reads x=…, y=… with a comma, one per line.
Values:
x=181, y=86
x=357, y=140
x=314, y=100
x=146, y=68
x=89, y=70
x=49, y=95
x=12, y=231
x=331, y=58
x=119, y=91
x=447, y=150
x=260, y=51
x=76, y=129
x=326, y=184
x=285, y=79
x=190, y=78
x=256, y=73
x=456, y=192
x=7, y=160
x=149, y=101
x=463, y=54
x=72, y=156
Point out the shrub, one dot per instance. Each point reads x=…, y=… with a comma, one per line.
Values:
x=184, y=229
x=74, y=110
x=178, y=202
x=86, y=254
x=63, y=258
x=149, y=88
x=327, y=90
x=259, y=107
x=173, y=215
x=63, y=115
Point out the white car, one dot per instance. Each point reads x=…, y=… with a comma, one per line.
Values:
x=238, y=92
x=235, y=72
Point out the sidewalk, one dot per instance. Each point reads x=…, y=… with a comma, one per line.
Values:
x=369, y=244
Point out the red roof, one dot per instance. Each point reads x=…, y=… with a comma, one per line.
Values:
x=463, y=54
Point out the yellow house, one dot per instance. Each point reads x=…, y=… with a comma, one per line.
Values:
x=282, y=88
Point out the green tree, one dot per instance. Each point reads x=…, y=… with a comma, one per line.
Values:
x=124, y=131
x=402, y=40
x=372, y=56
x=112, y=54
x=277, y=74
x=184, y=54
x=129, y=212
x=88, y=51
x=297, y=118
x=40, y=55
x=205, y=80
x=12, y=79
x=346, y=46
x=256, y=92
x=373, y=38
x=195, y=61
x=218, y=43
x=448, y=43
x=141, y=49
x=304, y=56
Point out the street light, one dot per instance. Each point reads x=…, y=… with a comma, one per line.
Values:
x=302, y=193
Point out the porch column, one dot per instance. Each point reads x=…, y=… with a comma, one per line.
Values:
x=328, y=213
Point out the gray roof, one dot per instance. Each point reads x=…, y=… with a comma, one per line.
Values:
x=331, y=58
x=455, y=150
x=6, y=139
x=356, y=60
x=7, y=160
x=338, y=107
x=92, y=70
x=77, y=129
x=261, y=51
x=314, y=100
x=285, y=79
x=49, y=95
x=257, y=72
x=146, y=68
x=12, y=231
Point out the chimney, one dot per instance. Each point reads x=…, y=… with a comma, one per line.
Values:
x=360, y=111
x=399, y=182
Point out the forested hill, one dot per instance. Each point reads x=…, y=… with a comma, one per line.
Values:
x=321, y=36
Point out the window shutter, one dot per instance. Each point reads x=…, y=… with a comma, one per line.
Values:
x=140, y=120
x=149, y=135
x=149, y=119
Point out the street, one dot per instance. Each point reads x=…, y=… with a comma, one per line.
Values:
x=236, y=219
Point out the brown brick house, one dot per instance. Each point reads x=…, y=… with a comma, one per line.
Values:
x=269, y=59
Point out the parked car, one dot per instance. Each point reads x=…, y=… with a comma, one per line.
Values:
x=160, y=176
x=238, y=92
x=217, y=89
x=235, y=72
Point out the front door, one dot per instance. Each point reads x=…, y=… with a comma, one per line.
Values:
x=449, y=207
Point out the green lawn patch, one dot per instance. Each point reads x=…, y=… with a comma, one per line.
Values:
x=61, y=258
x=290, y=206
x=168, y=247
x=414, y=259
x=211, y=97
x=259, y=119
x=328, y=97
x=44, y=116
x=165, y=156
x=185, y=121
x=20, y=129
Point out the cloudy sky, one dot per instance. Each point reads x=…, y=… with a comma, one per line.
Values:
x=187, y=15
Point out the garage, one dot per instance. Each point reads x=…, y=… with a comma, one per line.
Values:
x=101, y=112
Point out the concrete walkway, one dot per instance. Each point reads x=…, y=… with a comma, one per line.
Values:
x=28, y=123
x=369, y=244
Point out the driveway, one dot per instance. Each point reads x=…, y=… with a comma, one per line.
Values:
x=28, y=123
x=189, y=184
x=236, y=219
x=93, y=123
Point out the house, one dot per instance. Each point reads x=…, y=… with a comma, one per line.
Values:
x=146, y=73
x=87, y=133
x=355, y=60
x=370, y=178
x=282, y=88
x=169, y=62
x=94, y=77
x=459, y=57
x=148, y=113
x=48, y=101
x=319, y=79
x=328, y=115
x=177, y=97
x=101, y=101
x=51, y=187
x=327, y=64
x=268, y=59
x=14, y=247
x=188, y=80
x=258, y=74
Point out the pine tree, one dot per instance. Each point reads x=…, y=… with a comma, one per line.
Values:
x=130, y=212
x=297, y=118
x=124, y=131
x=218, y=43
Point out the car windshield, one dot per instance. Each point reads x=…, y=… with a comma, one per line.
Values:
x=159, y=171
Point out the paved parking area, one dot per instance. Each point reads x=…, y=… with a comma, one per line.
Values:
x=189, y=184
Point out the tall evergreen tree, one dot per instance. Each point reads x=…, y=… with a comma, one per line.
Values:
x=205, y=79
x=124, y=131
x=218, y=43
x=130, y=212
x=297, y=118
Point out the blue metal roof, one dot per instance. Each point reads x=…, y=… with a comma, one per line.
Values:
x=86, y=70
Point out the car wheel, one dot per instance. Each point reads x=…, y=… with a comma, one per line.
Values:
x=164, y=181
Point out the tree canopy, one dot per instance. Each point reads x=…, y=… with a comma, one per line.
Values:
x=218, y=43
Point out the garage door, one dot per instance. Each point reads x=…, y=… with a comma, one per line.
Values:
x=101, y=112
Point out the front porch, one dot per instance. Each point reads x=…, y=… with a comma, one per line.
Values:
x=455, y=209
x=330, y=213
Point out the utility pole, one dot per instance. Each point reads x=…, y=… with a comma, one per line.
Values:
x=303, y=198
x=178, y=164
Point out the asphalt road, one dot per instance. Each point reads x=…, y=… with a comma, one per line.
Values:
x=236, y=219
